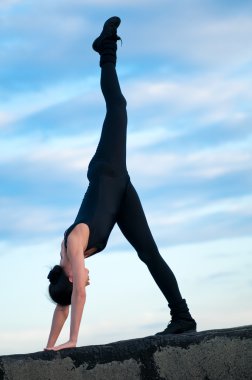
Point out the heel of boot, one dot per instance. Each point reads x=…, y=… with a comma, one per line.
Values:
x=193, y=331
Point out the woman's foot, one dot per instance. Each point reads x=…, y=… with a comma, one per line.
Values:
x=181, y=321
x=179, y=326
x=109, y=32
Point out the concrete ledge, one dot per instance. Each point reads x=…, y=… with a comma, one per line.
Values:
x=211, y=354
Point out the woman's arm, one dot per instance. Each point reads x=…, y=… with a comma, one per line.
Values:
x=59, y=317
x=80, y=277
x=76, y=244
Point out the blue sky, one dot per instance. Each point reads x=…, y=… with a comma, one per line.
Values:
x=185, y=69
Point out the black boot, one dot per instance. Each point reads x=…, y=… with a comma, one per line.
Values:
x=181, y=322
x=105, y=44
x=108, y=32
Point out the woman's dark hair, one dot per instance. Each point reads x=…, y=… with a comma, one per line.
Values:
x=60, y=288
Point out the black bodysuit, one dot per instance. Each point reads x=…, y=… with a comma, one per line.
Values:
x=99, y=209
x=111, y=197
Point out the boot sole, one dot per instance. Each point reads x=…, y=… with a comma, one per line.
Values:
x=184, y=332
x=189, y=332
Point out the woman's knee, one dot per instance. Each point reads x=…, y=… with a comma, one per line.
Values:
x=123, y=101
x=147, y=255
x=117, y=101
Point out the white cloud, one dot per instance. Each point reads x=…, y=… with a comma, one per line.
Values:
x=8, y=3
x=19, y=217
x=5, y=119
x=149, y=137
x=227, y=115
x=240, y=206
x=61, y=155
x=216, y=163
x=206, y=163
x=196, y=33
x=19, y=106
x=64, y=155
x=199, y=92
x=226, y=41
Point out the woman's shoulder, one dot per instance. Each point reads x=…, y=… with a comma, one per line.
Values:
x=79, y=233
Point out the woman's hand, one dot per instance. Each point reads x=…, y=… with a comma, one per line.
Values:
x=69, y=344
x=59, y=317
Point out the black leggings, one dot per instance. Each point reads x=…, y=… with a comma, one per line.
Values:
x=111, y=197
x=111, y=151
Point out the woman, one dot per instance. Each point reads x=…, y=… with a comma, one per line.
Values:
x=109, y=199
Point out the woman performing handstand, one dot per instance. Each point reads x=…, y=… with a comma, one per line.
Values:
x=109, y=199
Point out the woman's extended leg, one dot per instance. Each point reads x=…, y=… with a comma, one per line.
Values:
x=133, y=224
x=112, y=144
x=111, y=149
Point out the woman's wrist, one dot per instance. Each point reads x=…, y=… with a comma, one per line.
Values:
x=73, y=340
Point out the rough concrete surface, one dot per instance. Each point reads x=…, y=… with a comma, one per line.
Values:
x=224, y=354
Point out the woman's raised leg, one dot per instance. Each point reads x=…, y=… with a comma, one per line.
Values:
x=111, y=148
